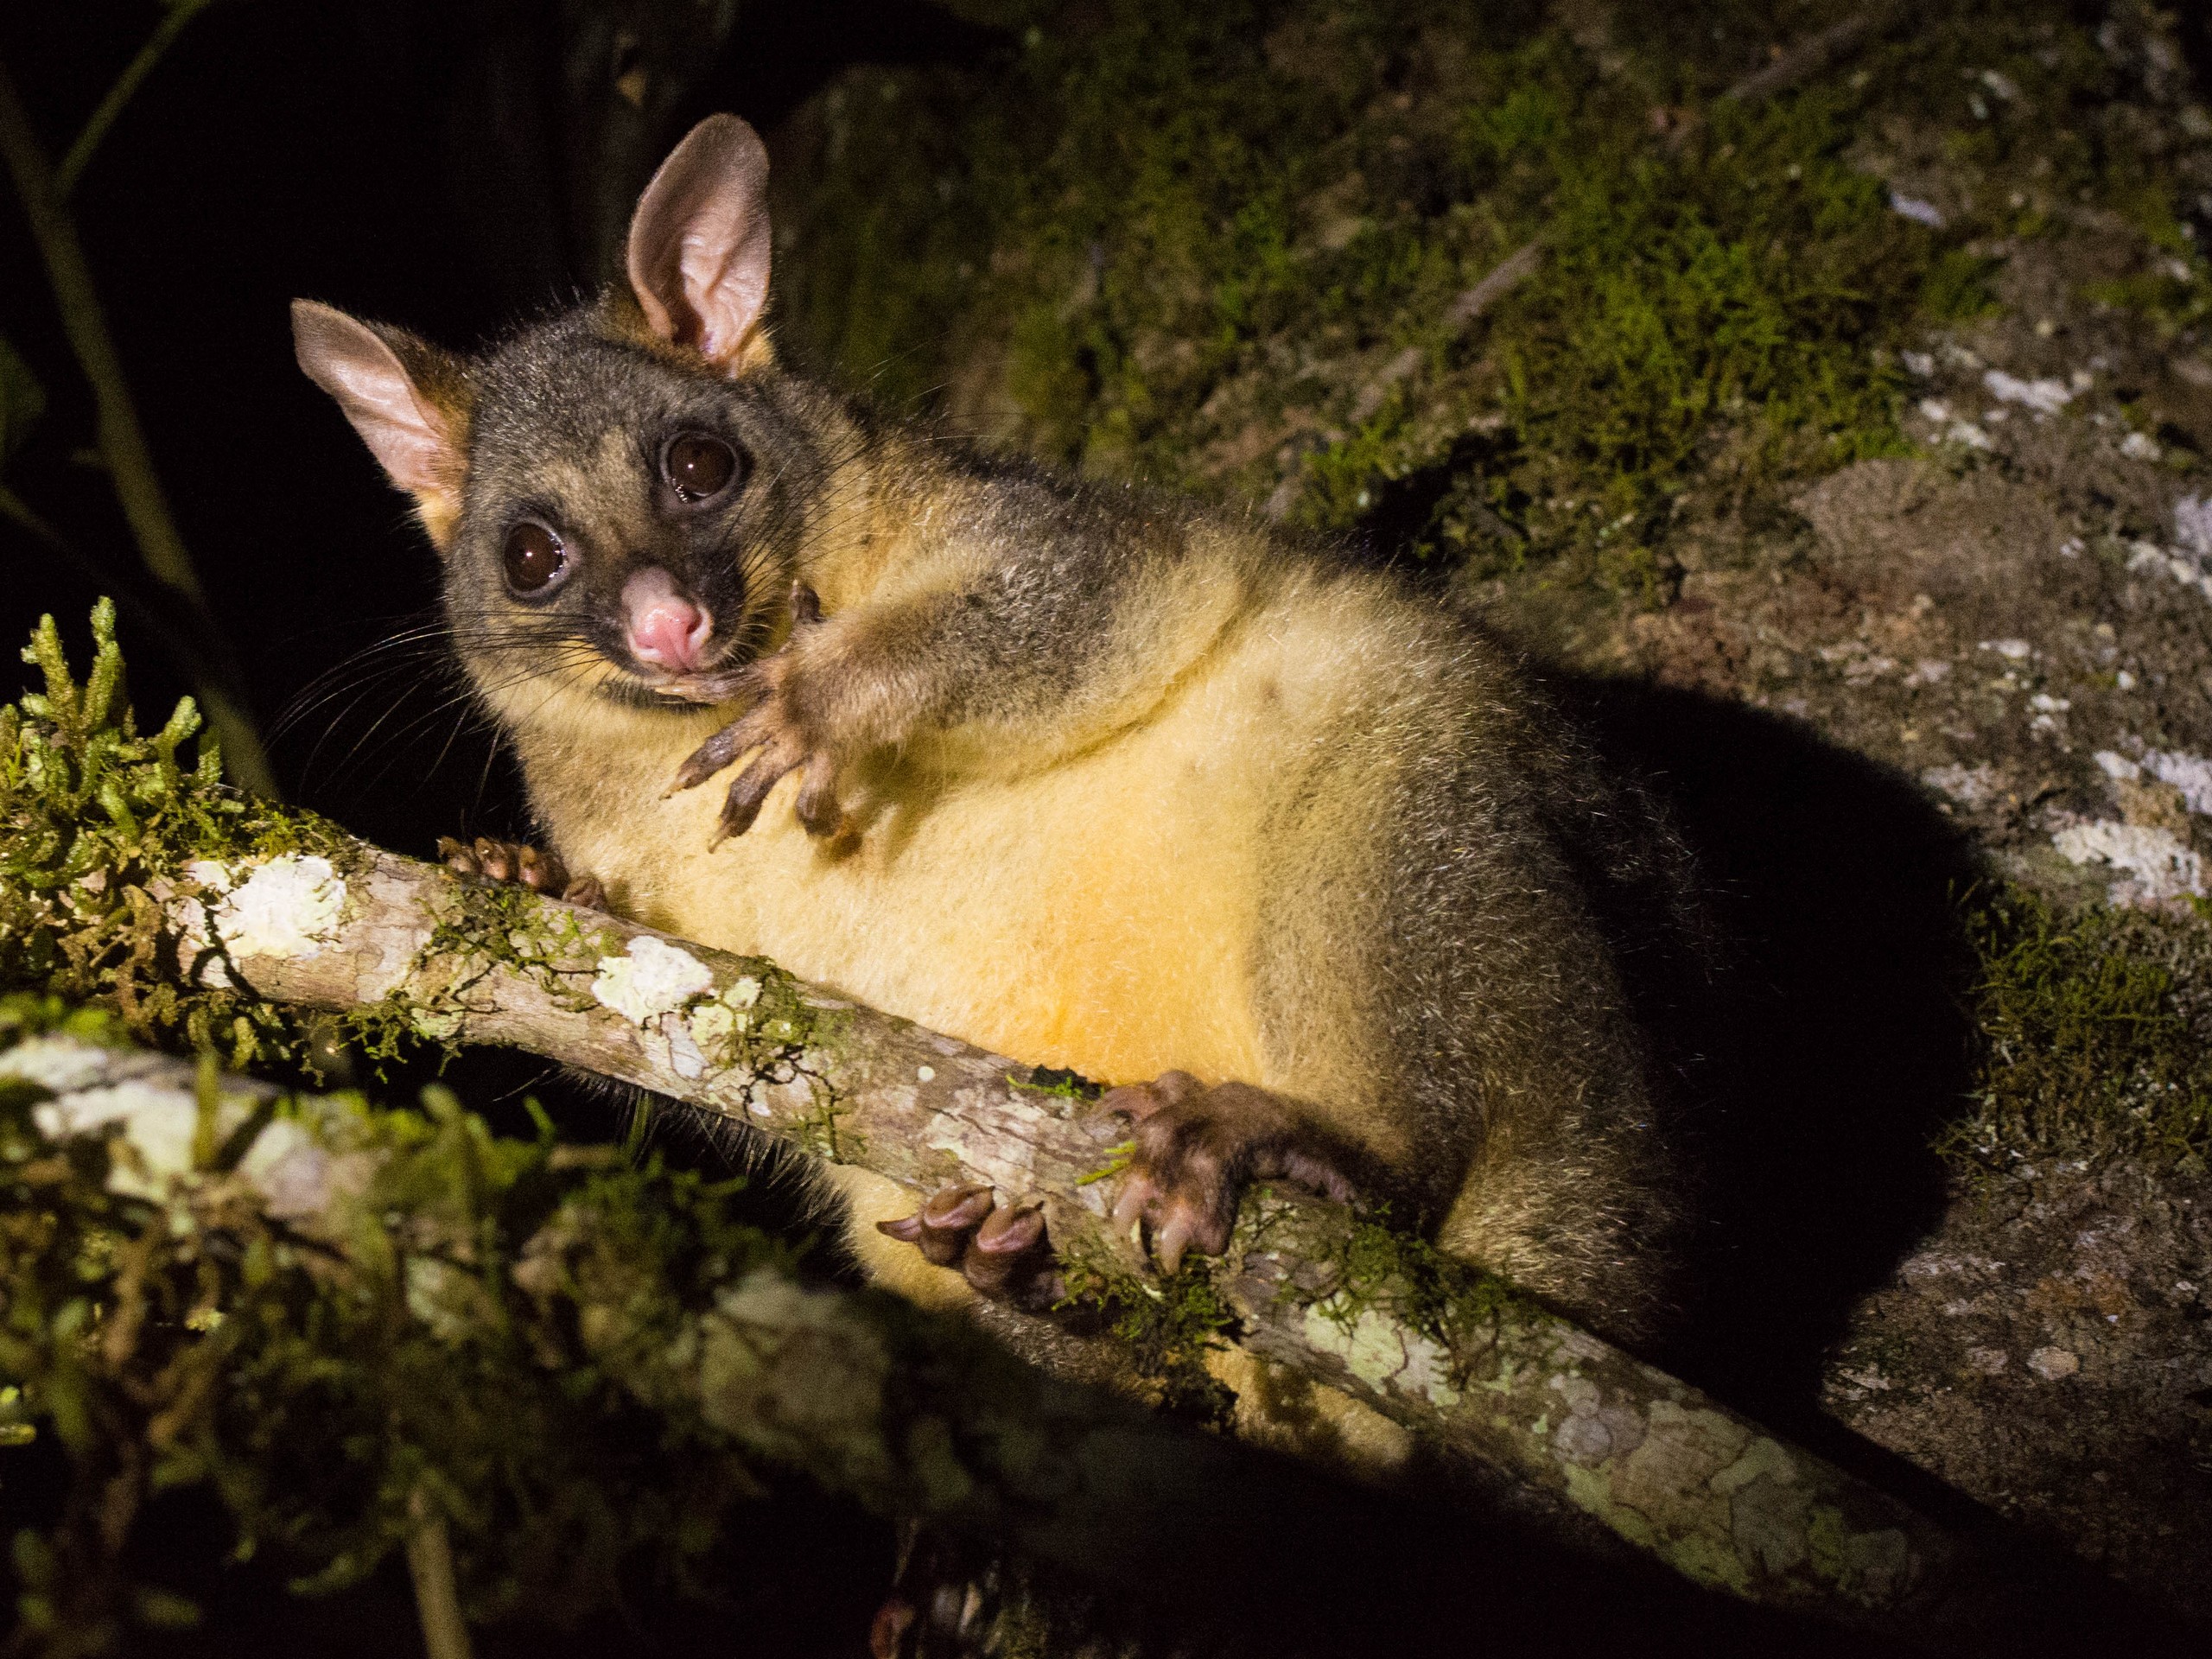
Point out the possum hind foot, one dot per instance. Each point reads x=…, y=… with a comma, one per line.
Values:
x=525, y=866
x=944, y=1600
x=1195, y=1149
x=1000, y=1249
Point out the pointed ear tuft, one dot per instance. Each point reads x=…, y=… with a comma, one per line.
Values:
x=699, y=243
x=407, y=399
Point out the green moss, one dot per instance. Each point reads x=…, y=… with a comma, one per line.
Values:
x=95, y=816
x=1219, y=247
x=1053, y=1080
x=1166, y=1325
x=2170, y=299
x=1959, y=287
x=1372, y=1265
x=2091, y=1035
x=1747, y=277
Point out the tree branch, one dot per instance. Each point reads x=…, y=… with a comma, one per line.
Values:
x=174, y=21
x=1808, y=57
x=429, y=1568
x=1484, y=1377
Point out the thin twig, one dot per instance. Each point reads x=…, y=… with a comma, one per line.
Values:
x=122, y=441
x=180, y=13
x=429, y=1564
x=1506, y=275
x=1468, y=305
x=1808, y=57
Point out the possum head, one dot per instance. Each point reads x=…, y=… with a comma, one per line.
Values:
x=621, y=494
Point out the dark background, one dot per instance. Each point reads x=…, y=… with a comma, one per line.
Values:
x=452, y=167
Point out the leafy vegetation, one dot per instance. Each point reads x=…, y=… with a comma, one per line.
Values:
x=94, y=817
x=479, y=1329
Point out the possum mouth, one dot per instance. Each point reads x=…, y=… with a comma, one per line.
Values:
x=634, y=693
x=684, y=695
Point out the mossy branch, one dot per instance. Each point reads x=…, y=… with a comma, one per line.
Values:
x=1479, y=1372
x=125, y=876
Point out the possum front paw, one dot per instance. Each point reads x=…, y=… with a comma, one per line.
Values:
x=780, y=737
x=1000, y=1249
x=530, y=867
x=1196, y=1149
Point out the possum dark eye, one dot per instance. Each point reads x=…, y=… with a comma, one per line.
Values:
x=696, y=465
x=534, y=558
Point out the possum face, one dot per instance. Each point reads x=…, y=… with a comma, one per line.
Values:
x=619, y=495
x=629, y=522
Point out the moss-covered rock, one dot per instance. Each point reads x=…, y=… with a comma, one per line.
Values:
x=1233, y=248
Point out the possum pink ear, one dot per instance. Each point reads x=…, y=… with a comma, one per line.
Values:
x=414, y=421
x=699, y=243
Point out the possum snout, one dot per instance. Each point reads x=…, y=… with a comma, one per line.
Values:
x=663, y=626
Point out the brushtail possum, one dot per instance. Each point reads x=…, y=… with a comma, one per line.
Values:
x=1091, y=775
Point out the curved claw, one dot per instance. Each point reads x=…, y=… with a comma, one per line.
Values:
x=749, y=790
x=1002, y=1253
x=495, y=859
x=748, y=731
x=1170, y=1241
x=1137, y=1195
x=941, y=1226
x=1195, y=1150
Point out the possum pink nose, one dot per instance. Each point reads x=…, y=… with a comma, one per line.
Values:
x=665, y=628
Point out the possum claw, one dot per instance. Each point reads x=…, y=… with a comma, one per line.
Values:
x=779, y=745
x=537, y=868
x=1195, y=1150
x=709, y=758
x=942, y=1600
x=1000, y=1249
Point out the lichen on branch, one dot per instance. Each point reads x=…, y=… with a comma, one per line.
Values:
x=99, y=823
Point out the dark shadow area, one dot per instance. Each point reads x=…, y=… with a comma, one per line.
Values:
x=1287, y=1565
x=1832, y=1044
